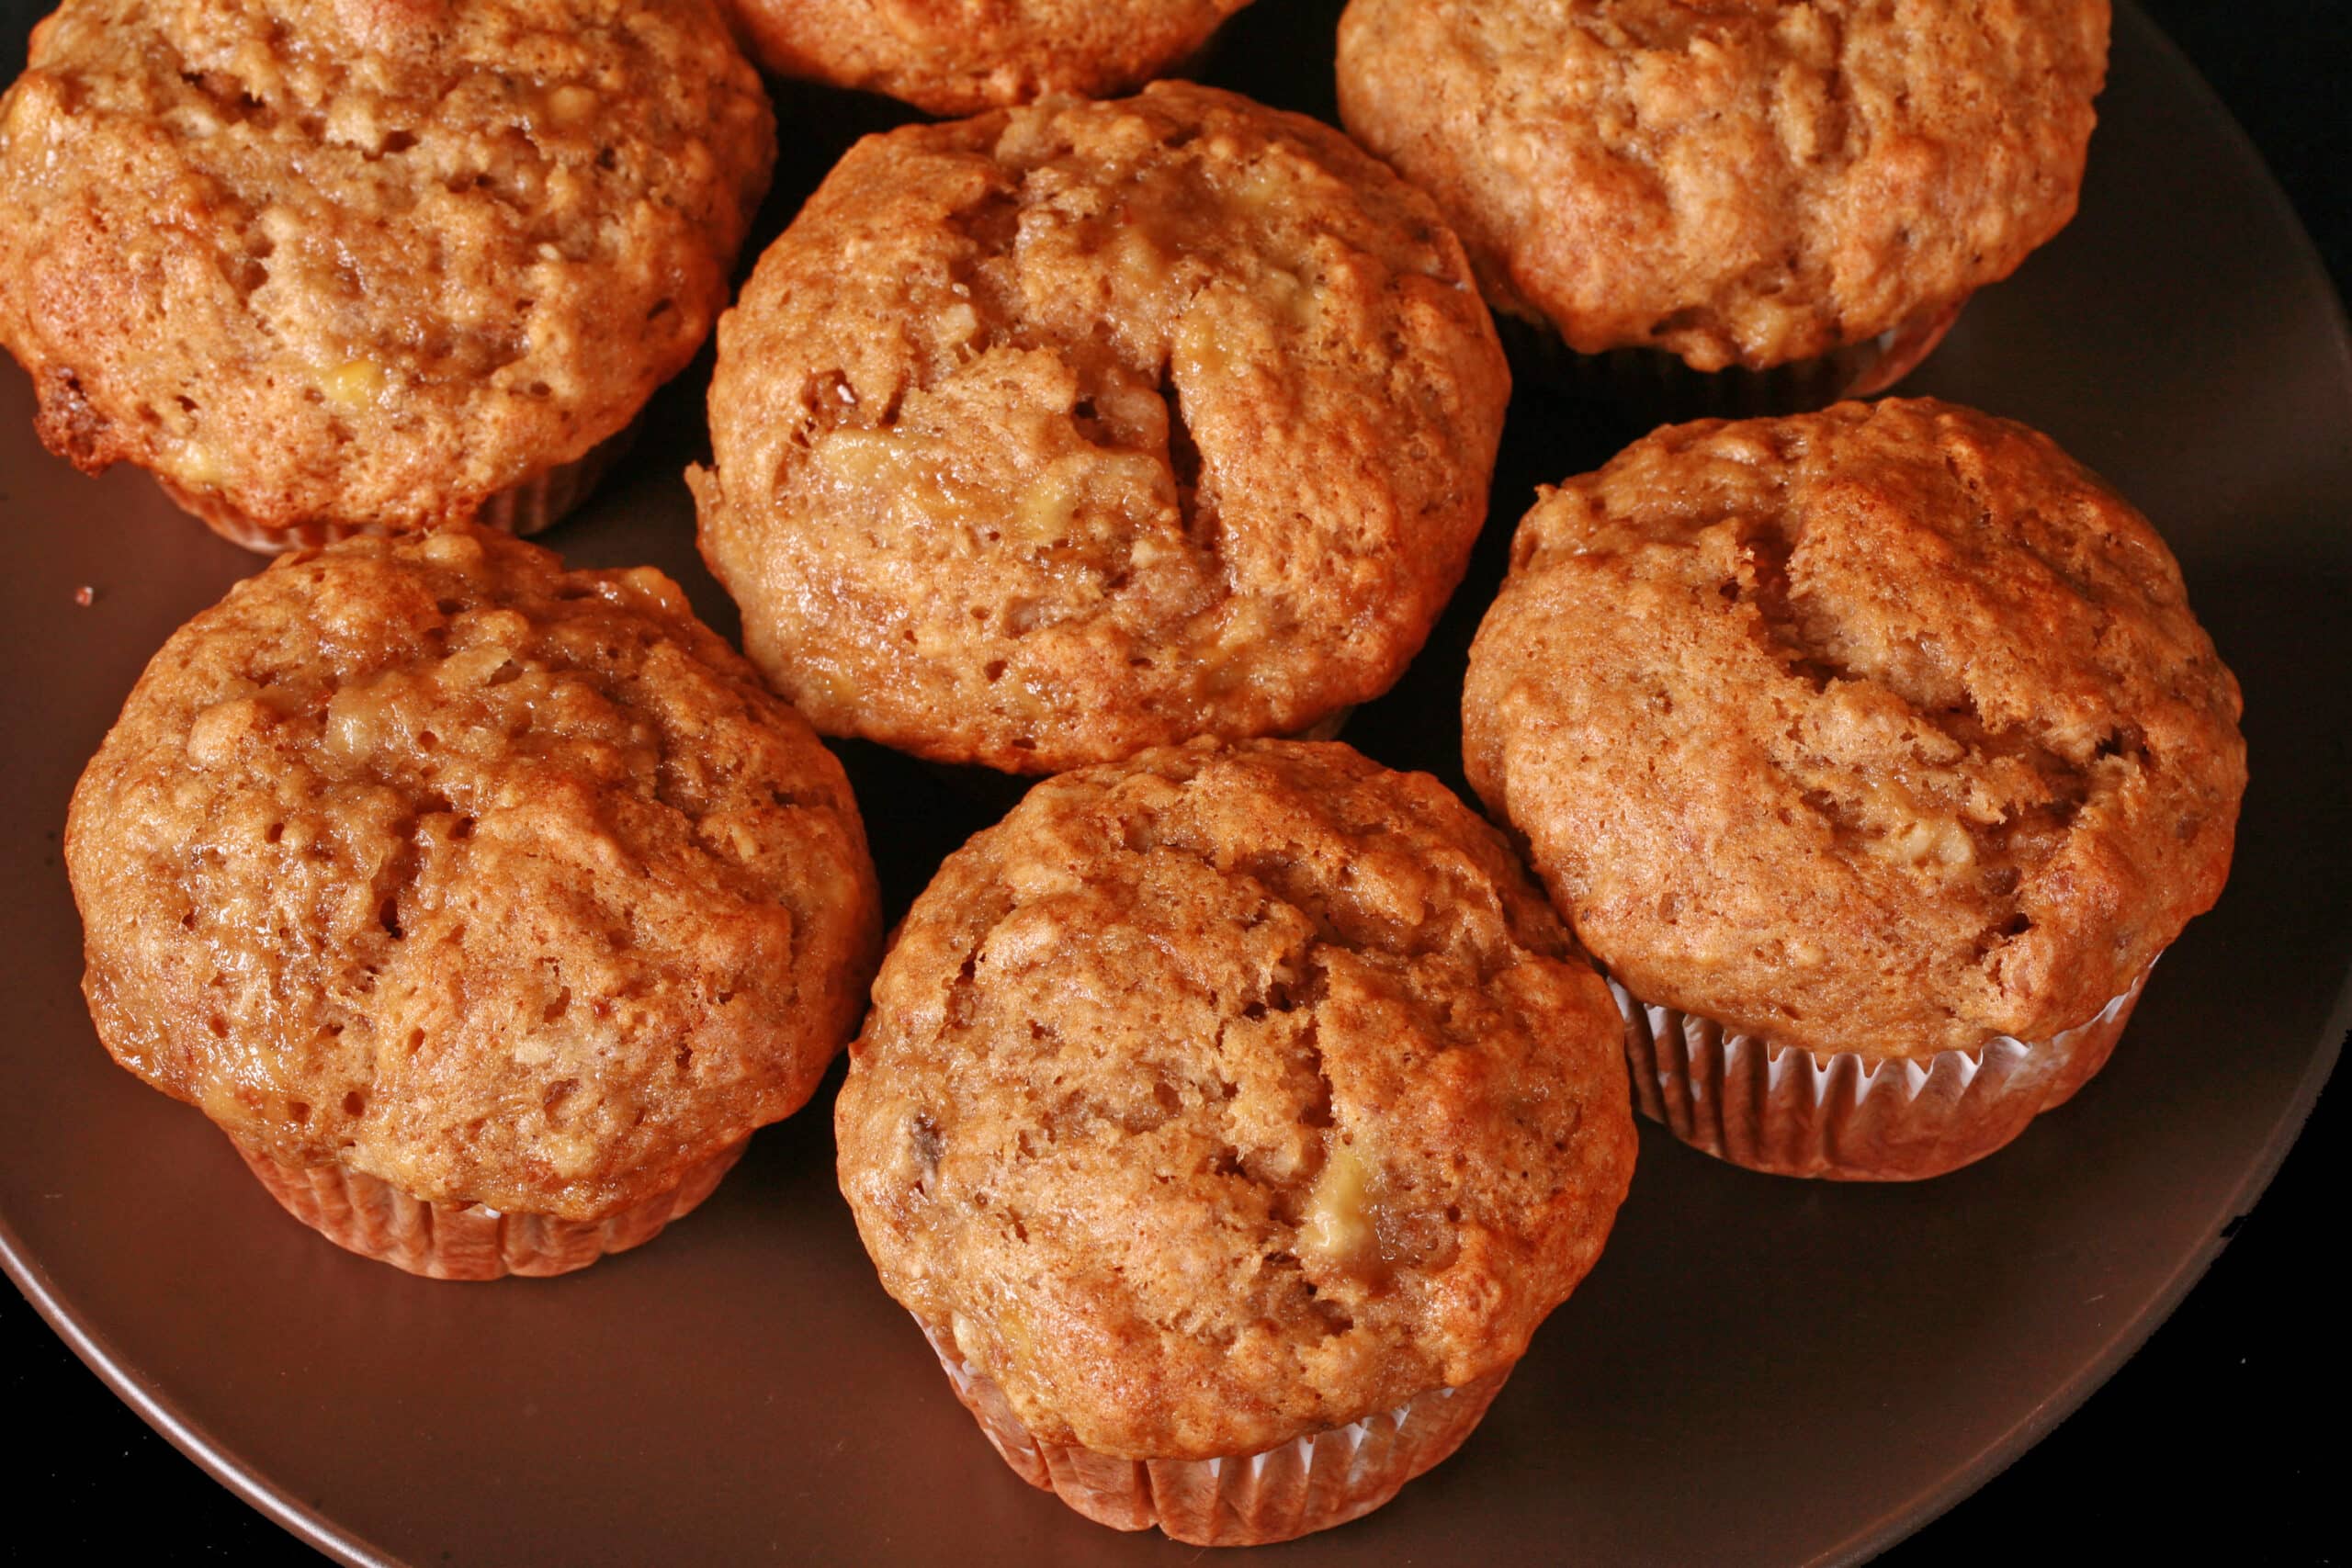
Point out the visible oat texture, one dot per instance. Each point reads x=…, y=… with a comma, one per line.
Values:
x=369, y=262
x=1747, y=182
x=1052, y=434
x=961, y=56
x=1229, y=1095
x=499, y=883
x=1886, y=729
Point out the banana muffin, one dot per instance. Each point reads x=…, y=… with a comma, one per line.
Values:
x=1233, y=1101
x=487, y=907
x=1741, y=186
x=1875, y=753
x=956, y=57
x=1052, y=434
x=368, y=265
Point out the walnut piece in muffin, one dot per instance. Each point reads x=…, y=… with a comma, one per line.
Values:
x=1231, y=1094
x=1744, y=183
x=1056, y=433
x=498, y=883
x=373, y=262
x=1886, y=729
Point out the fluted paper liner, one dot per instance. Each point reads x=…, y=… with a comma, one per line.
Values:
x=525, y=509
x=1658, y=385
x=1793, y=1111
x=1306, y=1484
x=468, y=1241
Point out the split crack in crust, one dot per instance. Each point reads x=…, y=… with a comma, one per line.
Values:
x=498, y=883
x=1230, y=1095
x=1048, y=435
x=1886, y=729
x=371, y=261
x=1746, y=183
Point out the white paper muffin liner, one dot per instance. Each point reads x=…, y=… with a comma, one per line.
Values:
x=537, y=502
x=466, y=1241
x=1309, y=1484
x=1793, y=1111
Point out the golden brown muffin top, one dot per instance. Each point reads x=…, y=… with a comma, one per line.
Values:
x=1052, y=434
x=368, y=261
x=1747, y=182
x=498, y=882
x=962, y=56
x=1227, y=1095
x=1884, y=729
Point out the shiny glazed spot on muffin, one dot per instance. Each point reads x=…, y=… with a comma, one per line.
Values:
x=1049, y=436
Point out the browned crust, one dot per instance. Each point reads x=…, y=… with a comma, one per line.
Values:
x=499, y=884
x=1886, y=729
x=1743, y=184
x=367, y=262
x=1052, y=434
x=1233, y=1094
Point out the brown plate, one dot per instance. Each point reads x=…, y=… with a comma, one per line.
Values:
x=1759, y=1371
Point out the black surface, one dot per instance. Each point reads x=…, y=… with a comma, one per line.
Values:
x=2204, y=1438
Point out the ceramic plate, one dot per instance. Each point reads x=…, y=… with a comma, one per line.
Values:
x=1759, y=1371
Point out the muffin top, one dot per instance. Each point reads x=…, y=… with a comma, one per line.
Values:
x=1227, y=1095
x=959, y=56
x=1745, y=183
x=1884, y=729
x=367, y=261
x=495, y=881
x=1056, y=433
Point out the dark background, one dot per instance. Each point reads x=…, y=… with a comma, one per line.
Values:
x=2218, y=1441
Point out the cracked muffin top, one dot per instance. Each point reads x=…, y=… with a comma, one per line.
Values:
x=498, y=882
x=1230, y=1094
x=1745, y=183
x=1056, y=434
x=959, y=57
x=1886, y=729
x=371, y=262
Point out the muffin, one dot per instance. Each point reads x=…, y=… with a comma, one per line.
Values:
x=953, y=57
x=1875, y=753
x=1228, y=1119
x=487, y=907
x=1050, y=435
x=331, y=267
x=1800, y=198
